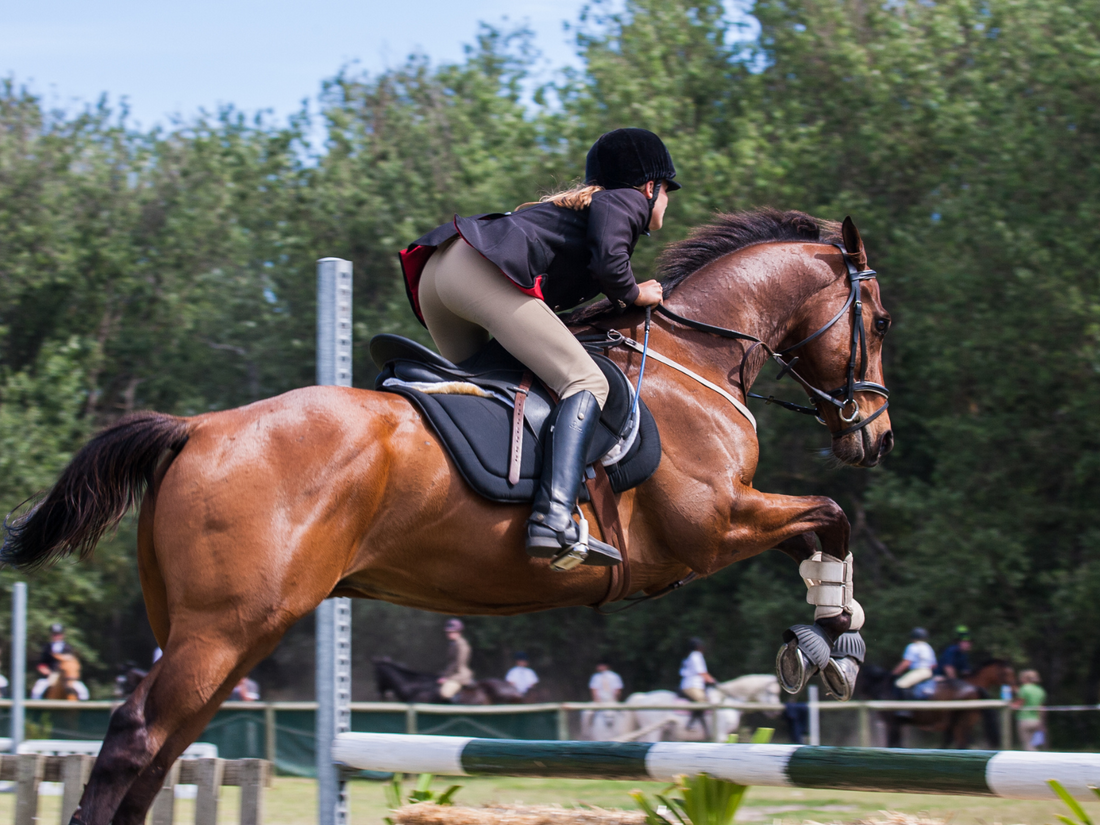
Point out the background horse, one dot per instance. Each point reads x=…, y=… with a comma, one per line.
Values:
x=956, y=725
x=408, y=685
x=64, y=682
x=686, y=726
x=250, y=517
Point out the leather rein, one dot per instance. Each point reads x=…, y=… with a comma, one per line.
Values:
x=842, y=397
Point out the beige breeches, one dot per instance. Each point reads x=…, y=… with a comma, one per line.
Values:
x=914, y=677
x=695, y=694
x=449, y=688
x=465, y=299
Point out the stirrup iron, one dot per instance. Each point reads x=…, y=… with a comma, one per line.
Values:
x=574, y=556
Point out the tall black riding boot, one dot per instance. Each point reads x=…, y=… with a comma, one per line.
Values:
x=551, y=530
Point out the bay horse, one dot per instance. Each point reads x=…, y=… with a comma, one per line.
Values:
x=955, y=725
x=250, y=517
x=64, y=682
x=408, y=685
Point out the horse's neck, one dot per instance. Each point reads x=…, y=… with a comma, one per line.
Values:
x=986, y=678
x=760, y=291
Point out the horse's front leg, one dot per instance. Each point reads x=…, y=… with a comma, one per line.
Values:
x=832, y=644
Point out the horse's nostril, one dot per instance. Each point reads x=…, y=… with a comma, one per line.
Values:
x=887, y=443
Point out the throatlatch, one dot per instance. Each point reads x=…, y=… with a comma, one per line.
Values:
x=809, y=649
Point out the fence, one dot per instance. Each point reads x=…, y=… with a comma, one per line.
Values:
x=29, y=770
x=284, y=732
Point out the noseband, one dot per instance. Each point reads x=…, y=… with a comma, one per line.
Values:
x=843, y=398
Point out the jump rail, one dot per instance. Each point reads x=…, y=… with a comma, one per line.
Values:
x=1008, y=774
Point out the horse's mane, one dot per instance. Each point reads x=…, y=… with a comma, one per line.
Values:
x=404, y=670
x=728, y=232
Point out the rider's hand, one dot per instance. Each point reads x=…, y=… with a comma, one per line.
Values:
x=650, y=294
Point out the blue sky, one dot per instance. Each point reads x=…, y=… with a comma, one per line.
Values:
x=169, y=58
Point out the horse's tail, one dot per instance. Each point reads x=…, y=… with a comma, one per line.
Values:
x=102, y=482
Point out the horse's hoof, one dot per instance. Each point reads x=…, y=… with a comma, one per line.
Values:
x=839, y=677
x=791, y=668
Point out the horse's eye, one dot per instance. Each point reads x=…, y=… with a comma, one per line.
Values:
x=881, y=325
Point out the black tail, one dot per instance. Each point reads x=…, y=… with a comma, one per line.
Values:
x=104, y=480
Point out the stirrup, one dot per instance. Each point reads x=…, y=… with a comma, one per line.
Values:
x=586, y=550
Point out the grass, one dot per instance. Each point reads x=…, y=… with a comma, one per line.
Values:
x=294, y=802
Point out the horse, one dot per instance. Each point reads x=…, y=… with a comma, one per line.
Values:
x=64, y=682
x=408, y=685
x=956, y=725
x=686, y=726
x=250, y=517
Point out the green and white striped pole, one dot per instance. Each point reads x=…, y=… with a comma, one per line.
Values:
x=1009, y=774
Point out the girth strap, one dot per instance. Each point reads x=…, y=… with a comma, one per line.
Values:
x=517, y=427
x=605, y=505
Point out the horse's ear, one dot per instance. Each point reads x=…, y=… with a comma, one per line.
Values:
x=853, y=243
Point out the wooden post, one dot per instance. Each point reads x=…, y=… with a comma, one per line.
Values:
x=563, y=723
x=75, y=770
x=1006, y=728
x=252, y=779
x=164, y=806
x=29, y=771
x=410, y=720
x=864, y=726
x=270, y=751
x=208, y=773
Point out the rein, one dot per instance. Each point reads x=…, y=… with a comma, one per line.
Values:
x=842, y=397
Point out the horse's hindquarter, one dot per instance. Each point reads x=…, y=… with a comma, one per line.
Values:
x=280, y=503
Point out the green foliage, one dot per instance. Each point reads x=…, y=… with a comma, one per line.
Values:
x=703, y=800
x=172, y=269
x=1079, y=815
x=395, y=797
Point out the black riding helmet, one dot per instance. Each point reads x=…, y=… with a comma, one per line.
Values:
x=625, y=158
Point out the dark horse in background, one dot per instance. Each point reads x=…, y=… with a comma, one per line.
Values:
x=249, y=518
x=956, y=725
x=407, y=685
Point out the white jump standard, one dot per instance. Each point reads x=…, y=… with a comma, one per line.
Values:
x=1008, y=774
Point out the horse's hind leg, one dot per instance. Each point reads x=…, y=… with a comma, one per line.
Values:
x=153, y=726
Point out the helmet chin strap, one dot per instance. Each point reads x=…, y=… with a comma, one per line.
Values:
x=652, y=203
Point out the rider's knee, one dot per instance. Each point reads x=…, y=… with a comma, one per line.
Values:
x=592, y=380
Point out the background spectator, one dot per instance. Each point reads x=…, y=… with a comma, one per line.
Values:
x=605, y=684
x=246, y=691
x=1031, y=723
x=521, y=677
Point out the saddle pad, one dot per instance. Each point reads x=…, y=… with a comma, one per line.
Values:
x=476, y=428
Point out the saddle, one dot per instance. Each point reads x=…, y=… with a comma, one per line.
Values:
x=471, y=406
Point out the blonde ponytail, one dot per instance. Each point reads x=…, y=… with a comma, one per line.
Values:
x=576, y=198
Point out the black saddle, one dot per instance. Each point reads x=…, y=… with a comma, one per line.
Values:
x=470, y=405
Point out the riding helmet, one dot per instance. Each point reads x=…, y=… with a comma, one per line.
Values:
x=919, y=633
x=625, y=158
x=454, y=626
x=56, y=628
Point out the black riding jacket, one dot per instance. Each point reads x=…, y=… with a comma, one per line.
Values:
x=561, y=255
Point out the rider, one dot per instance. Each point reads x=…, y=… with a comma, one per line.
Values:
x=57, y=646
x=457, y=674
x=694, y=679
x=506, y=275
x=955, y=661
x=917, y=665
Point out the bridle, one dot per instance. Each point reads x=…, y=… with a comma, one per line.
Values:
x=843, y=397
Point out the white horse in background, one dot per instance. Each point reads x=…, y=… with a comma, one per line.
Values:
x=681, y=726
